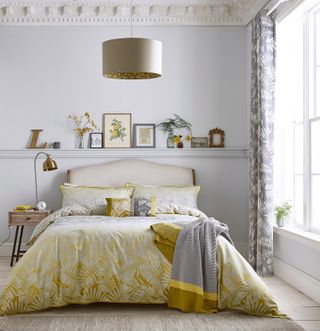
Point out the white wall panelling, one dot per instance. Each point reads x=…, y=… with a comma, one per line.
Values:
x=301, y=253
x=308, y=285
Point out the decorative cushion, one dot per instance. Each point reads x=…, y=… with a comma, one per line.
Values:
x=144, y=206
x=118, y=207
x=87, y=195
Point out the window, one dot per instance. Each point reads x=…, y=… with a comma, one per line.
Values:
x=297, y=117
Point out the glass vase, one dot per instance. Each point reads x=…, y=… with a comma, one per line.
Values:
x=80, y=143
x=170, y=141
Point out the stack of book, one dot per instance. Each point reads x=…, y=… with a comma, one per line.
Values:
x=23, y=208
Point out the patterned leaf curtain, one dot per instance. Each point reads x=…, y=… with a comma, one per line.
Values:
x=261, y=145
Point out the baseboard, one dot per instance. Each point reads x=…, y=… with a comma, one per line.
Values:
x=298, y=279
x=6, y=248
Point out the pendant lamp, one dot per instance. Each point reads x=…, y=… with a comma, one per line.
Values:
x=132, y=58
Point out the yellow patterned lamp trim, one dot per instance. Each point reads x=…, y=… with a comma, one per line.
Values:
x=132, y=75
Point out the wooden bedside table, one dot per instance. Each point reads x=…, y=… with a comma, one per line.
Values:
x=19, y=220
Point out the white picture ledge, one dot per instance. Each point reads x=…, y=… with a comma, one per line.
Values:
x=130, y=153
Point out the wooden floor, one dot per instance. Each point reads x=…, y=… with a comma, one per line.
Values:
x=299, y=307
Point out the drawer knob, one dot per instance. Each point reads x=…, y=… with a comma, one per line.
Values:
x=28, y=218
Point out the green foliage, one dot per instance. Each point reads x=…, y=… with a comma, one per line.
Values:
x=283, y=210
x=174, y=123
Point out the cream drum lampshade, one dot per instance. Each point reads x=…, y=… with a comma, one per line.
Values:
x=132, y=58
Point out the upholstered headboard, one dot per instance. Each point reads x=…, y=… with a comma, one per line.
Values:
x=118, y=173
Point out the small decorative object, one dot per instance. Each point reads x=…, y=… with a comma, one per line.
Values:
x=24, y=207
x=199, y=142
x=177, y=141
x=216, y=138
x=41, y=205
x=181, y=141
x=84, y=124
x=34, y=140
x=96, y=140
x=48, y=165
x=117, y=130
x=281, y=213
x=170, y=125
x=56, y=145
x=144, y=135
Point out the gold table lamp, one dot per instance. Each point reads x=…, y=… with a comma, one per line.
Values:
x=48, y=165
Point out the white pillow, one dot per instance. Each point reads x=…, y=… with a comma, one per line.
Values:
x=178, y=195
x=87, y=195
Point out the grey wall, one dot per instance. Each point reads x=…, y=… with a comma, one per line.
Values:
x=47, y=73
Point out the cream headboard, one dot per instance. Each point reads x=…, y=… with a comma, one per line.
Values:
x=118, y=173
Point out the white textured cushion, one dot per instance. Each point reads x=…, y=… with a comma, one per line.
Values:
x=86, y=195
x=178, y=195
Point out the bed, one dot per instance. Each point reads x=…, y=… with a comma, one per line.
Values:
x=78, y=255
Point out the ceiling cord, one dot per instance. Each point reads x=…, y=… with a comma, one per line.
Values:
x=131, y=9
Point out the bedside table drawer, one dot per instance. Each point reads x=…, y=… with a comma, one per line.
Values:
x=25, y=218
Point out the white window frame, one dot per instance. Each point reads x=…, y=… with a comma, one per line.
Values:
x=310, y=9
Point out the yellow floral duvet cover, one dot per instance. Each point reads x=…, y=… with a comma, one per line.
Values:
x=83, y=259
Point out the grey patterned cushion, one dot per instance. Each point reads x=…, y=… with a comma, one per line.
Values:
x=144, y=206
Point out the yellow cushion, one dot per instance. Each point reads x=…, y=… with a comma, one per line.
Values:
x=118, y=207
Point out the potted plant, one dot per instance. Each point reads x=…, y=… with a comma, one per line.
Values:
x=172, y=124
x=281, y=213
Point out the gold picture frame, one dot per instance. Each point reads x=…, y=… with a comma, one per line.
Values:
x=117, y=130
x=216, y=138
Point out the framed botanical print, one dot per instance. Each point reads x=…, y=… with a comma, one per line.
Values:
x=96, y=140
x=144, y=135
x=117, y=130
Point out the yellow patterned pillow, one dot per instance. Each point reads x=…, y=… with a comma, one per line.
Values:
x=118, y=207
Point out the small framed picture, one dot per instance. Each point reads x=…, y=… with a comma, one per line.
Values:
x=144, y=135
x=96, y=140
x=117, y=130
x=216, y=138
x=199, y=142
